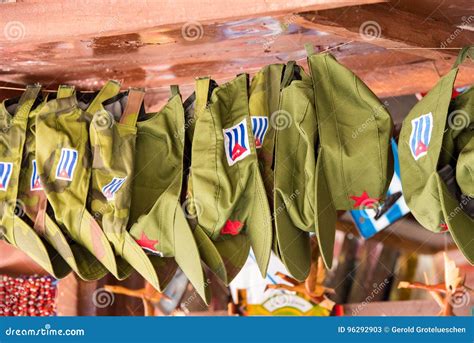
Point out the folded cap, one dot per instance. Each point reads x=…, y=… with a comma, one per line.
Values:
x=433, y=136
x=354, y=155
x=225, y=185
x=294, y=167
x=35, y=205
x=17, y=231
x=113, y=133
x=159, y=222
x=64, y=166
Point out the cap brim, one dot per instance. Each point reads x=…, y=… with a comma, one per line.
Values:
x=27, y=240
x=93, y=239
x=83, y=263
x=259, y=226
x=187, y=255
x=293, y=244
x=325, y=214
x=460, y=225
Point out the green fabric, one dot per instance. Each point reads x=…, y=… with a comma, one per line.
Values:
x=110, y=196
x=295, y=161
x=435, y=205
x=16, y=231
x=36, y=208
x=159, y=223
x=62, y=137
x=354, y=145
x=226, y=187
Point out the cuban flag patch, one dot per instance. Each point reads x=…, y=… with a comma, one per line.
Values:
x=421, y=129
x=6, y=169
x=35, y=182
x=236, y=142
x=67, y=164
x=259, y=129
x=112, y=187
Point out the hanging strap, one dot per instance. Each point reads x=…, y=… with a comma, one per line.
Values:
x=465, y=52
x=132, y=109
x=27, y=100
x=174, y=89
x=65, y=91
x=202, y=92
x=110, y=89
x=309, y=49
x=288, y=74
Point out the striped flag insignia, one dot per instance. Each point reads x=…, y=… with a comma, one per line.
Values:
x=259, y=129
x=67, y=164
x=236, y=142
x=6, y=169
x=112, y=187
x=420, y=137
x=35, y=182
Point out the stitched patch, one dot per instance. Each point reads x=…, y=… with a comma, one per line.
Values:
x=6, y=169
x=112, y=187
x=420, y=137
x=236, y=142
x=67, y=164
x=259, y=129
x=35, y=182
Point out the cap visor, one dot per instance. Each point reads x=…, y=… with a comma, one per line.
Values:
x=293, y=244
x=325, y=216
x=139, y=260
x=187, y=255
x=259, y=226
x=460, y=225
x=27, y=240
x=93, y=239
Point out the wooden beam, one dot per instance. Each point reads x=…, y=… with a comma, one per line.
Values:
x=54, y=20
x=390, y=28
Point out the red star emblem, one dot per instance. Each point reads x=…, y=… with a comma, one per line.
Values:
x=444, y=227
x=232, y=227
x=421, y=148
x=364, y=200
x=237, y=151
x=258, y=144
x=147, y=243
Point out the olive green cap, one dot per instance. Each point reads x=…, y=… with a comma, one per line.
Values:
x=157, y=220
x=355, y=162
x=433, y=137
x=225, y=186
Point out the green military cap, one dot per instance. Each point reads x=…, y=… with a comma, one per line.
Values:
x=159, y=222
x=225, y=185
x=13, y=123
x=264, y=102
x=295, y=161
x=354, y=159
x=64, y=164
x=112, y=135
x=435, y=139
x=35, y=205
